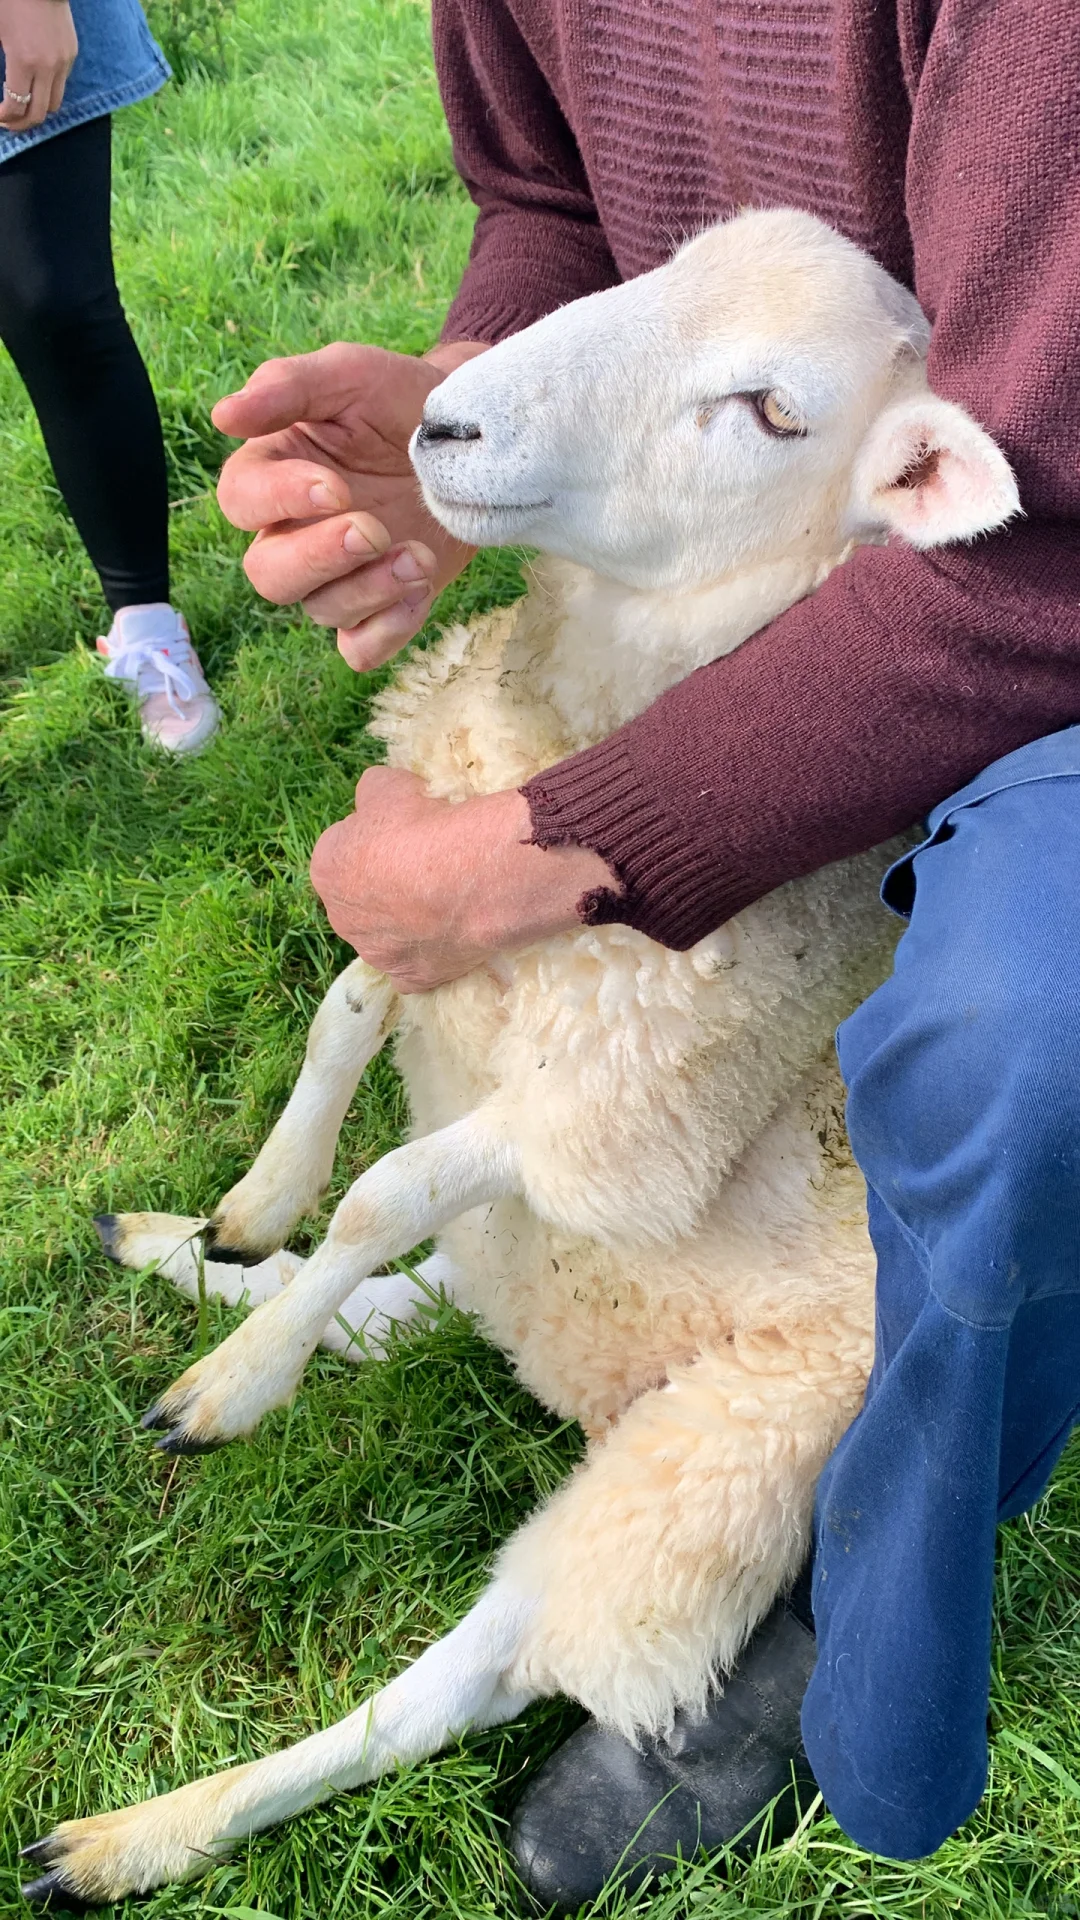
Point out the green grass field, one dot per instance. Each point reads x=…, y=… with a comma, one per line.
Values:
x=160, y=954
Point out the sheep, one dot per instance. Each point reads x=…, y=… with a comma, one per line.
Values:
x=634, y=1159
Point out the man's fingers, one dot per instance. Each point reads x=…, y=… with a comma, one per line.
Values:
x=379, y=786
x=403, y=575
x=276, y=395
x=258, y=487
x=320, y=385
x=378, y=639
x=322, y=865
x=286, y=564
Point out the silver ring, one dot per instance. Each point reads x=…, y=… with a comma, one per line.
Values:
x=21, y=99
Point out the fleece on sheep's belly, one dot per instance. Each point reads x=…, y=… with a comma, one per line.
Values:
x=782, y=1253
x=650, y=1060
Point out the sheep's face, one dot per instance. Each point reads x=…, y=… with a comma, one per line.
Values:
x=762, y=394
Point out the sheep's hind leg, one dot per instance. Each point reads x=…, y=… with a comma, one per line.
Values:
x=173, y=1244
x=294, y=1167
x=404, y=1198
x=362, y=1326
x=660, y=1555
x=456, y=1685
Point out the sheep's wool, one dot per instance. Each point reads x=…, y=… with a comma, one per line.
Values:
x=691, y=1212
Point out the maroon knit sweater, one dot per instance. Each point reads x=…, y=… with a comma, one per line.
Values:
x=943, y=135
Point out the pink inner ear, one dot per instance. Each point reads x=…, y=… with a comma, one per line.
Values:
x=932, y=475
x=937, y=493
x=921, y=468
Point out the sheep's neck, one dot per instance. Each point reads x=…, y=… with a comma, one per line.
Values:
x=599, y=652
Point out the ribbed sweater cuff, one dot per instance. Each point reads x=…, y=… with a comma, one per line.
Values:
x=491, y=305
x=673, y=890
x=491, y=314
x=522, y=267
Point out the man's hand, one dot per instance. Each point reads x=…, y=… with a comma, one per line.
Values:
x=40, y=44
x=325, y=484
x=426, y=890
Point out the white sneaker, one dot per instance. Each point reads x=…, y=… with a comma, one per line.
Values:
x=149, y=648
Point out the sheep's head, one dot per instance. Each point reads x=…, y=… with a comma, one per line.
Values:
x=762, y=394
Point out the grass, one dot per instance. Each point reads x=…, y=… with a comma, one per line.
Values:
x=160, y=954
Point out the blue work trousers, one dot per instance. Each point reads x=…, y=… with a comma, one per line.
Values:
x=963, y=1076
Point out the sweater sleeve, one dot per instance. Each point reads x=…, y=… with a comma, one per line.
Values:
x=537, y=241
x=859, y=709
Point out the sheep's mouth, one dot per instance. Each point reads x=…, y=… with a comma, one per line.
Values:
x=486, y=509
x=487, y=523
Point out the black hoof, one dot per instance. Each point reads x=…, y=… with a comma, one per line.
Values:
x=178, y=1445
x=216, y=1249
x=174, y=1441
x=50, y=1894
x=105, y=1228
x=50, y=1891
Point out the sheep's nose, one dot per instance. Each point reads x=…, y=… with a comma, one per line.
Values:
x=431, y=432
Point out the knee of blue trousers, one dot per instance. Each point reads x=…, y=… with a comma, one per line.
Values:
x=964, y=1106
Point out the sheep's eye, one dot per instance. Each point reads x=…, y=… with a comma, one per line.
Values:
x=772, y=409
x=777, y=413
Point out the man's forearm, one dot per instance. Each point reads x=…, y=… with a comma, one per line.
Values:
x=538, y=241
x=839, y=725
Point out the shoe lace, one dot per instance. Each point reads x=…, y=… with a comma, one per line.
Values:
x=157, y=668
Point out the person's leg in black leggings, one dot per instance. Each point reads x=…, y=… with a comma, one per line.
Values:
x=63, y=325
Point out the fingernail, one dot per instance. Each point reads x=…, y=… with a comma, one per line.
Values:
x=414, y=601
x=321, y=495
x=406, y=568
x=354, y=541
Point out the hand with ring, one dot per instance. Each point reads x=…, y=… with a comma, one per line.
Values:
x=40, y=43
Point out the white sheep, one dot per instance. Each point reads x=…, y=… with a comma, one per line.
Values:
x=634, y=1159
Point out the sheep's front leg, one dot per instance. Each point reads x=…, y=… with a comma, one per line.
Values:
x=406, y=1196
x=295, y=1165
x=458, y=1684
x=669, y=1544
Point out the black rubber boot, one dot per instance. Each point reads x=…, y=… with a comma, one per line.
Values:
x=600, y=1808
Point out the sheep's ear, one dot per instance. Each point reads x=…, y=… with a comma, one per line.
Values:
x=927, y=472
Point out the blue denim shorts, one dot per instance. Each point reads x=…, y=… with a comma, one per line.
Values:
x=118, y=63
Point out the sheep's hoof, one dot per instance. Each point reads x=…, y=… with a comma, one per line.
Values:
x=216, y=1249
x=175, y=1440
x=106, y=1228
x=224, y=1395
x=50, y=1891
x=168, y=1241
